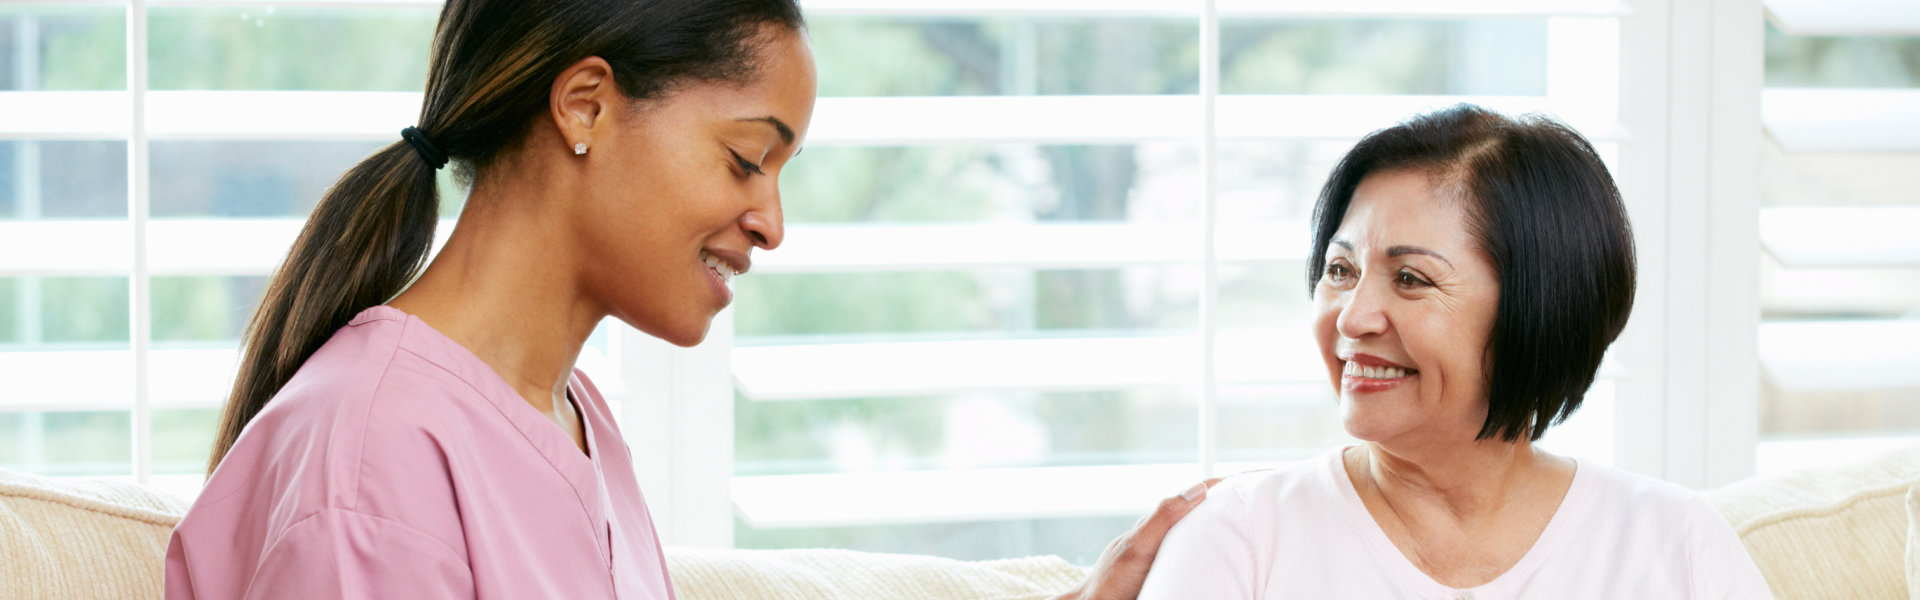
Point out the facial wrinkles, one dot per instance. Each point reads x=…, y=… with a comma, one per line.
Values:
x=1451, y=331
x=1449, y=296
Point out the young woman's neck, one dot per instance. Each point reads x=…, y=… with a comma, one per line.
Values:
x=505, y=287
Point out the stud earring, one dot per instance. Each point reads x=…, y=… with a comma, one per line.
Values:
x=579, y=148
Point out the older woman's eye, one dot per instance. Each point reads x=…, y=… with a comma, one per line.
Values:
x=1339, y=272
x=1408, y=279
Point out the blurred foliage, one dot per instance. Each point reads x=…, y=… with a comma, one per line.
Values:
x=1850, y=61
x=1004, y=56
x=1079, y=541
x=203, y=309
x=269, y=48
x=70, y=310
x=799, y=437
x=226, y=178
x=1491, y=57
x=785, y=305
x=15, y=428
x=1010, y=301
x=84, y=309
x=182, y=439
x=90, y=437
x=76, y=179
x=9, y=304
x=920, y=184
x=914, y=433
x=93, y=443
x=80, y=47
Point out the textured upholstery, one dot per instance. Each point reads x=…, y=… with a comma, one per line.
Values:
x=831, y=574
x=1838, y=532
x=67, y=539
x=1850, y=531
x=1913, y=542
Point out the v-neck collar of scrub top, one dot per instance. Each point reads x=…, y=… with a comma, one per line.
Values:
x=581, y=471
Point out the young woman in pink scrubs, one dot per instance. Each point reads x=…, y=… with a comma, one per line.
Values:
x=396, y=437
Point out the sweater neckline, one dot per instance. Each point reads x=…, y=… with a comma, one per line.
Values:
x=1572, y=506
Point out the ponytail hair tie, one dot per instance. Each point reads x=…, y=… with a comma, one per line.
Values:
x=424, y=147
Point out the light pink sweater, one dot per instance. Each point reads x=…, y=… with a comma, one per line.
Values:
x=396, y=464
x=1302, y=532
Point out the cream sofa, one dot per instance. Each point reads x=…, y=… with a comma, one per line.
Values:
x=1849, y=532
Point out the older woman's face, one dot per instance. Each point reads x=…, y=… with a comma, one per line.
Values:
x=1404, y=310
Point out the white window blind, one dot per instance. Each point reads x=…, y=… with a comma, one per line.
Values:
x=1840, y=270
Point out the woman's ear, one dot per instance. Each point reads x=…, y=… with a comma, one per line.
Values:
x=580, y=95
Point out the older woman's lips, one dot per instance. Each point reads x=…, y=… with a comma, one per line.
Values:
x=1366, y=374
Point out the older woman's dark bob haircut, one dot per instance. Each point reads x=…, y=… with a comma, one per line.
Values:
x=1548, y=215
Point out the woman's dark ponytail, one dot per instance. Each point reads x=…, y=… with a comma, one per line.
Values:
x=362, y=245
x=492, y=64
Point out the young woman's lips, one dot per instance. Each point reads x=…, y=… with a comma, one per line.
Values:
x=722, y=267
x=719, y=285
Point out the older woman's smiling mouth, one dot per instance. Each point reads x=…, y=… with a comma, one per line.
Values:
x=1368, y=373
x=1358, y=370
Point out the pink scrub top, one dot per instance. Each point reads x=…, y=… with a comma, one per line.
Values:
x=396, y=464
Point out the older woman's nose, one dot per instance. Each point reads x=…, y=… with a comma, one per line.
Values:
x=1362, y=314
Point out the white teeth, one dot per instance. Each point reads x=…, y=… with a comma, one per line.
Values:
x=719, y=267
x=1354, y=369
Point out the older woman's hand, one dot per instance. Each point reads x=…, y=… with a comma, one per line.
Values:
x=1123, y=567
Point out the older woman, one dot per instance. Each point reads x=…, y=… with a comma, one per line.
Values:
x=1468, y=273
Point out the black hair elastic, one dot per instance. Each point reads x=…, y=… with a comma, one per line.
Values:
x=424, y=146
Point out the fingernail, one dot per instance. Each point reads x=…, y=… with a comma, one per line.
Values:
x=1194, y=492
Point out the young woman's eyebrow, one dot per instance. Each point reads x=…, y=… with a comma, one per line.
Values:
x=786, y=133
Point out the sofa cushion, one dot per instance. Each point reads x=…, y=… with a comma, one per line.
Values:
x=1913, y=542
x=1835, y=532
x=701, y=574
x=82, y=538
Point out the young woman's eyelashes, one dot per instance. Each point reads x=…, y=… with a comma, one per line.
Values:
x=746, y=166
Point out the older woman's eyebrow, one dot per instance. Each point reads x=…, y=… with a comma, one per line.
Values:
x=786, y=133
x=1397, y=251
x=1342, y=243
